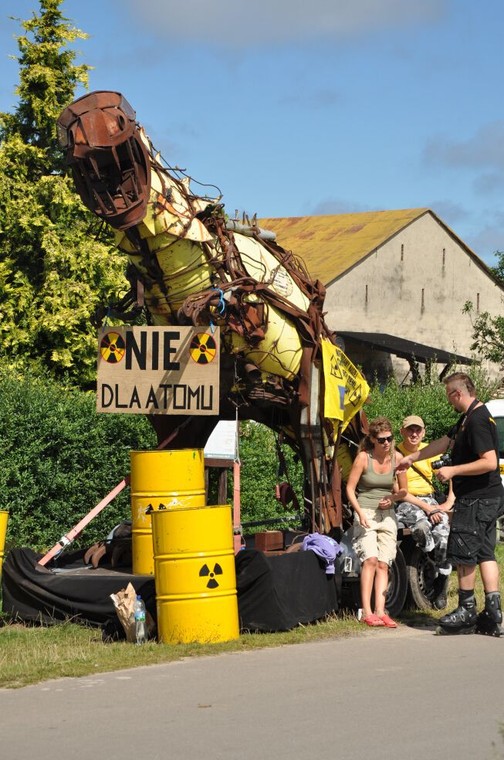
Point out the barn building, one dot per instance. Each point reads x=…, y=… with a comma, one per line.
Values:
x=396, y=282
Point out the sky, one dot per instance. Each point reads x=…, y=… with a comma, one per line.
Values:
x=295, y=108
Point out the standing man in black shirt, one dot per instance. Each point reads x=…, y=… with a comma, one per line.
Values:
x=472, y=464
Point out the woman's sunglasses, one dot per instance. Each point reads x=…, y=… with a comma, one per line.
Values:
x=385, y=439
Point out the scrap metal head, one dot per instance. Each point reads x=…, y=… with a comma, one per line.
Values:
x=109, y=160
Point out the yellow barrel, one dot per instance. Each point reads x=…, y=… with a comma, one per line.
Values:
x=4, y=518
x=166, y=479
x=195, y=575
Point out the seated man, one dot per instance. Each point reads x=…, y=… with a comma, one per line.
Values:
x=420, y=511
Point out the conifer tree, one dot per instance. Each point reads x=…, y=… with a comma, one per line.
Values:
x=54, y=271
x=48, y=78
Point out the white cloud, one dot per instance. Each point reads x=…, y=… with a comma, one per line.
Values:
x=487, y=242
x=341, y=206
x=231, y=24
x=490, y=183
x=448, y=211
x=483, y=149
x=481, y=154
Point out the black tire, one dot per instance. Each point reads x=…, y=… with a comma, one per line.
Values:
x=424, y=582
x=398, y=585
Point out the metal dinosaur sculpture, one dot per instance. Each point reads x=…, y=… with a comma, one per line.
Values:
x=189, y=264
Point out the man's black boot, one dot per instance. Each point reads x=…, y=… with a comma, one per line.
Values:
x=489, y=621
x=463, y=619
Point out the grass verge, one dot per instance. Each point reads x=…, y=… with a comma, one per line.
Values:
x=30, y=654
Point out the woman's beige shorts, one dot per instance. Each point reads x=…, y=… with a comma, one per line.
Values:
x=380, y=539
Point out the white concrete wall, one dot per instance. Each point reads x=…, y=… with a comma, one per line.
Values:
x=415, y=286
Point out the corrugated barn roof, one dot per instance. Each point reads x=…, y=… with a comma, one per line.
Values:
x=330, y=245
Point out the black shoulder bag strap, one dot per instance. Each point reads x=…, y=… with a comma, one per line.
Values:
x=423, y=475
x=439, y=496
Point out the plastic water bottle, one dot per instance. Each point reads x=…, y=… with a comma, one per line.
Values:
x=140, y=622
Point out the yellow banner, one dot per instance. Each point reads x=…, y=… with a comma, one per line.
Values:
x=346, y=390
x=334, y=381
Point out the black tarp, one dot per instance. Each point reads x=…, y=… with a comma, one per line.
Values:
x=275, y=593
x=65, y=589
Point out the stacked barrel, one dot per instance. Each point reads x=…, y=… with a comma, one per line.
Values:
x=187, y=546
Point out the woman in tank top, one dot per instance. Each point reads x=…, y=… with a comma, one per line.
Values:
x=372, y=489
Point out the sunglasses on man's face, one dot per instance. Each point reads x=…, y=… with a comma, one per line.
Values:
x=385, y=439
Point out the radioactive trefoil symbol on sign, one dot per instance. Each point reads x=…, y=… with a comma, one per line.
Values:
x=205, y=572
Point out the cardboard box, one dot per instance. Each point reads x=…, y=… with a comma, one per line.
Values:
x=269, y=540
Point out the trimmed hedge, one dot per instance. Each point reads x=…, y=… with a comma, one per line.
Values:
x=428, y=400
x=59, y=459
x=260, y=472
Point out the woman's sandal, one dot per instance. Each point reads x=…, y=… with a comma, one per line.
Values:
x=373, y=620
x=387, y=621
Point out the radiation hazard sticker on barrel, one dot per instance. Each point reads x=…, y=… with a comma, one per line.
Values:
x=112, y=347
x=203, y=348
x=205, y=572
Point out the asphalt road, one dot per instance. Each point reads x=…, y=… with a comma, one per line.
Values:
x=392, y=693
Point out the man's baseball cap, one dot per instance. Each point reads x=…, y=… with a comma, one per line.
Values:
x=412, y=420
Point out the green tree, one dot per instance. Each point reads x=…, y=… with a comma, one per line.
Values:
x=47, y=83
x=488, y=330
x=488, y=334
x=498, y=269
x=55, y=272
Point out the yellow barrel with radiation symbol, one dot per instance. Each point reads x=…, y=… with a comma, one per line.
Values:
x=4, y=518
x=171, y=480
x=195, y=575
